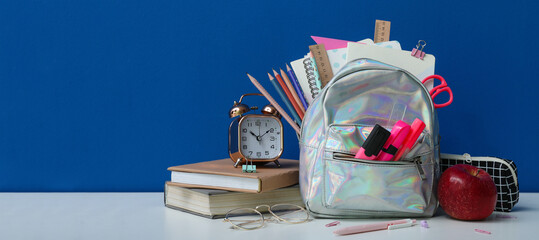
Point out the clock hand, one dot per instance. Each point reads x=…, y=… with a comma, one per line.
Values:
x=264, y=133
x=258, y=138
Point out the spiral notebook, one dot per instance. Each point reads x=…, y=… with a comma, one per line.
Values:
x=306, y=73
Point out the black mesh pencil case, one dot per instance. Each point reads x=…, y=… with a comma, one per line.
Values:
x=502, y=171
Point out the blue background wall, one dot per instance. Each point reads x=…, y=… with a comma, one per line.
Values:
x=105, y=95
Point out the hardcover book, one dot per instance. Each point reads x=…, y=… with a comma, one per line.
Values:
x=221, y=174
x=213, y=203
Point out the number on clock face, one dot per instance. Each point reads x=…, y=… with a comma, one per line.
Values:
x=260, y=137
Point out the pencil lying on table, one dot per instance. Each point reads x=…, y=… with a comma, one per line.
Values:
x=274, y=103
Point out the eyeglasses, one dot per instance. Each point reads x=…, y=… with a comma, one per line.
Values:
x=252, y=218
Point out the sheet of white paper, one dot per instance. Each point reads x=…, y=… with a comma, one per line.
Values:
x=337, y=57
x=398, y=58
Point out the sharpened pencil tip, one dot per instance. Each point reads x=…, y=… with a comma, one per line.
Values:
x=270, y=77
x=287, y=67
x=274, y=72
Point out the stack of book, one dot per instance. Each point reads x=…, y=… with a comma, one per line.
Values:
x=211, y=189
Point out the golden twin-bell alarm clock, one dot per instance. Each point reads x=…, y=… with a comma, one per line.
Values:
x=256, y=138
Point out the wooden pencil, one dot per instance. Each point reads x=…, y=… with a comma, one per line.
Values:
x=288, y=94
x=274, y=103
x=292, y=91
x=295, y=82
x=287, y=103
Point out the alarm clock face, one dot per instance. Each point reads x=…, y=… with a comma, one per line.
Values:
x=260, y=137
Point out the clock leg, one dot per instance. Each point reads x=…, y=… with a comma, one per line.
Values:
x=237, y=162
x=277, y=163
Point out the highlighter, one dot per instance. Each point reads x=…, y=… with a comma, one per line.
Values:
x=398, y=135
x=373, y=144
x=415, y=131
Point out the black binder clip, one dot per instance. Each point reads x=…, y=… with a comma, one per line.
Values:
x=418, y=50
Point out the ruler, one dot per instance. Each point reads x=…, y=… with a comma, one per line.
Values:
x=322, y=63
x=381, y=31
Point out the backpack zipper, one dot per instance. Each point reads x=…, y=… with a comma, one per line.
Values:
x=416, y=161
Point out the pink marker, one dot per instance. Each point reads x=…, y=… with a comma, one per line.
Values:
x=373, y=144
x=397, y=137
x=415, y=131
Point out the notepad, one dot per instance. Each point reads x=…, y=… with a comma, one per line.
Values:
x=337, y=56
x=332, y=43
x=398, y=58
x=306, y=81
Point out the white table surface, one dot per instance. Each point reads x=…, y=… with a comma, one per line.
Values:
x=144, y=216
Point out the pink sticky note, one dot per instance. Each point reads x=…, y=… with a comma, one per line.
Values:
x=331, y=43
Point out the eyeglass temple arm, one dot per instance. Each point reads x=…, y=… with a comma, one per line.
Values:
x=244, y=222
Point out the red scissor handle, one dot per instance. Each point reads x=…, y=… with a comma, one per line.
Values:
x=439, y=89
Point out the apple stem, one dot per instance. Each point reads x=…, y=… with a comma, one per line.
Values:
x=476, y=173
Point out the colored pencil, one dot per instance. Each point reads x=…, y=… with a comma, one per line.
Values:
x=288, y=94
x=274, y=103
x=292, y=91
x=285, y=100
x=295, y=82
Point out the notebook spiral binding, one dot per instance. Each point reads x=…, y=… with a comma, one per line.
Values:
x=311, y=76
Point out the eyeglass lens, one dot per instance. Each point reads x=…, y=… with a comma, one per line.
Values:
x=290, y=213
x=245, y=218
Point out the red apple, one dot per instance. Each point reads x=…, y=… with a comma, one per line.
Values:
x=467, y=192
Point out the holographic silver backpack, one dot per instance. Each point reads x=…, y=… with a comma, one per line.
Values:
x=333, y=183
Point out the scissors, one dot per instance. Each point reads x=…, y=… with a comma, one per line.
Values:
x=439, y=89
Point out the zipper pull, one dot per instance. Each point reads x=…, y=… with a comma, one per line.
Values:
x=420, y=170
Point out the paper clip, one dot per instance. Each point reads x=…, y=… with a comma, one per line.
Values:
x=331, y=224
x=418, y=50
x=482, y=231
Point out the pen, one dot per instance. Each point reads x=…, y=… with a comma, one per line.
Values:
x=390, y=225
x=295, y=82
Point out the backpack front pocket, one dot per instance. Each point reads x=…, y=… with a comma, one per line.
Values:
x=376, y=186
x=369, y=185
